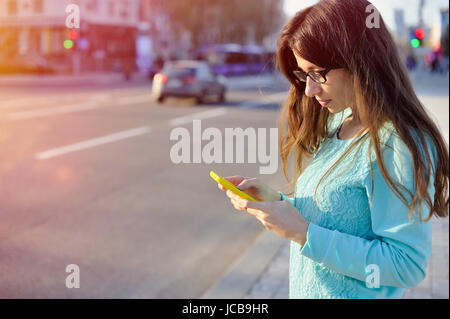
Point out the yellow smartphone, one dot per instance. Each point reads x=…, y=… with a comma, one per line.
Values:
x=219, y=179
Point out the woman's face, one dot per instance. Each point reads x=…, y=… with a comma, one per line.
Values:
x=338, y=88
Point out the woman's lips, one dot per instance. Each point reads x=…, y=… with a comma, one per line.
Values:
x=324, y=103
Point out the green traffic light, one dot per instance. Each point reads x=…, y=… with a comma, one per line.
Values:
x=68, y=44
x=415, y=43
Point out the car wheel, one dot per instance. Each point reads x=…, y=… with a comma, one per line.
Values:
x=201, y=98
x=222, y=97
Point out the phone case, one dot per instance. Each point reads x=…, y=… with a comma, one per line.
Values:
x=230, y=186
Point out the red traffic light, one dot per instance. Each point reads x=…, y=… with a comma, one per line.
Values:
x=420, y=33
x=73, y=35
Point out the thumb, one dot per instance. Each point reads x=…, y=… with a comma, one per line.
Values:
x=246, y=183
x=252, y=187
x=235, y=180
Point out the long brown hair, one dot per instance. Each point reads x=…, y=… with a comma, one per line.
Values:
x=334, y=34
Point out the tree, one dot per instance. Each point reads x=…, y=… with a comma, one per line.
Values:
x=225, y=20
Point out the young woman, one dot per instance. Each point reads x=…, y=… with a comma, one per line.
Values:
x=359, y=219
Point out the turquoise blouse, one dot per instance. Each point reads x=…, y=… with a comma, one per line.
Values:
x=357, y=248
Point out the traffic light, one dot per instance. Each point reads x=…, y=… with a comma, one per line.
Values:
x=415, y=43
x=70, y=42
x=417, y=37
x=73, y=35
x=420, y=33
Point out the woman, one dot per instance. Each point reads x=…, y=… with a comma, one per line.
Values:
x=359, y=220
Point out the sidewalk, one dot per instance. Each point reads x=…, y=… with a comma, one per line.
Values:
x=256, y=276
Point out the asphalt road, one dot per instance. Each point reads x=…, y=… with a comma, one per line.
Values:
x=86, y=178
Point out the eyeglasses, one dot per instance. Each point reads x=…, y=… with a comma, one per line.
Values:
x=316, y=76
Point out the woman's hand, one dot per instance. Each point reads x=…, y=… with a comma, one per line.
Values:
x=253, y=187
x=280, y=217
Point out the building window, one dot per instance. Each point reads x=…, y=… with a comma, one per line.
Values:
x=93, y=6
x=38, y=6
x=111, y=8
x=12, y=7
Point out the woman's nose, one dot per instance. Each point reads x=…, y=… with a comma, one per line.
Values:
x=312, y=88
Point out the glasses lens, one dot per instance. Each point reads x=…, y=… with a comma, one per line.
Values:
x=317, y=77
x=300, y=75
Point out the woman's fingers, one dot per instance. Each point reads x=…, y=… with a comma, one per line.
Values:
x=232, y=195
x=236, y=205
x=229, y=193
x=245, y=182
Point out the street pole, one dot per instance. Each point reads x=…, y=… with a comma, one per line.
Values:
x=421, y=6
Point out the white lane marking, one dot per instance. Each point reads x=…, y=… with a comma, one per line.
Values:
x=51, y=111
x=197, y=116
x=252, y=104
x=91, y=103
x=41, y=100
x=92, y=143
x=101, y=97
x=134, y=99
x=14, y=103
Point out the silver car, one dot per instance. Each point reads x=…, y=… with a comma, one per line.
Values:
x=186, y=78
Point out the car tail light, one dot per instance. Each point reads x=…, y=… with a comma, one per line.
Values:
x=189, y=79
x=159, y=77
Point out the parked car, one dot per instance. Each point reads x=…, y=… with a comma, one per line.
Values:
x=188, y=78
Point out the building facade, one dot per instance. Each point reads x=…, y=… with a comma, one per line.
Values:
x=33, y=32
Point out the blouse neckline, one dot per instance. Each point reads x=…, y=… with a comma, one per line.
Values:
x=336, y=135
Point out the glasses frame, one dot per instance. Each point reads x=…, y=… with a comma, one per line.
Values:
x=298, y=73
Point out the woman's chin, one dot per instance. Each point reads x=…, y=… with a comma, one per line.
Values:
x=334, y=110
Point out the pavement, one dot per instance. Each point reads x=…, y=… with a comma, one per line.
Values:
x=262, y=272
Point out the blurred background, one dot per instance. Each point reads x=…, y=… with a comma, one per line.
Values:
x=86, y=113
x=142, y=34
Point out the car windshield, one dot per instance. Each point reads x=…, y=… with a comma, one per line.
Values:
x=179, y=71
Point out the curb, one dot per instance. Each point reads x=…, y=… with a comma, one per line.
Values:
x=245, y=272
